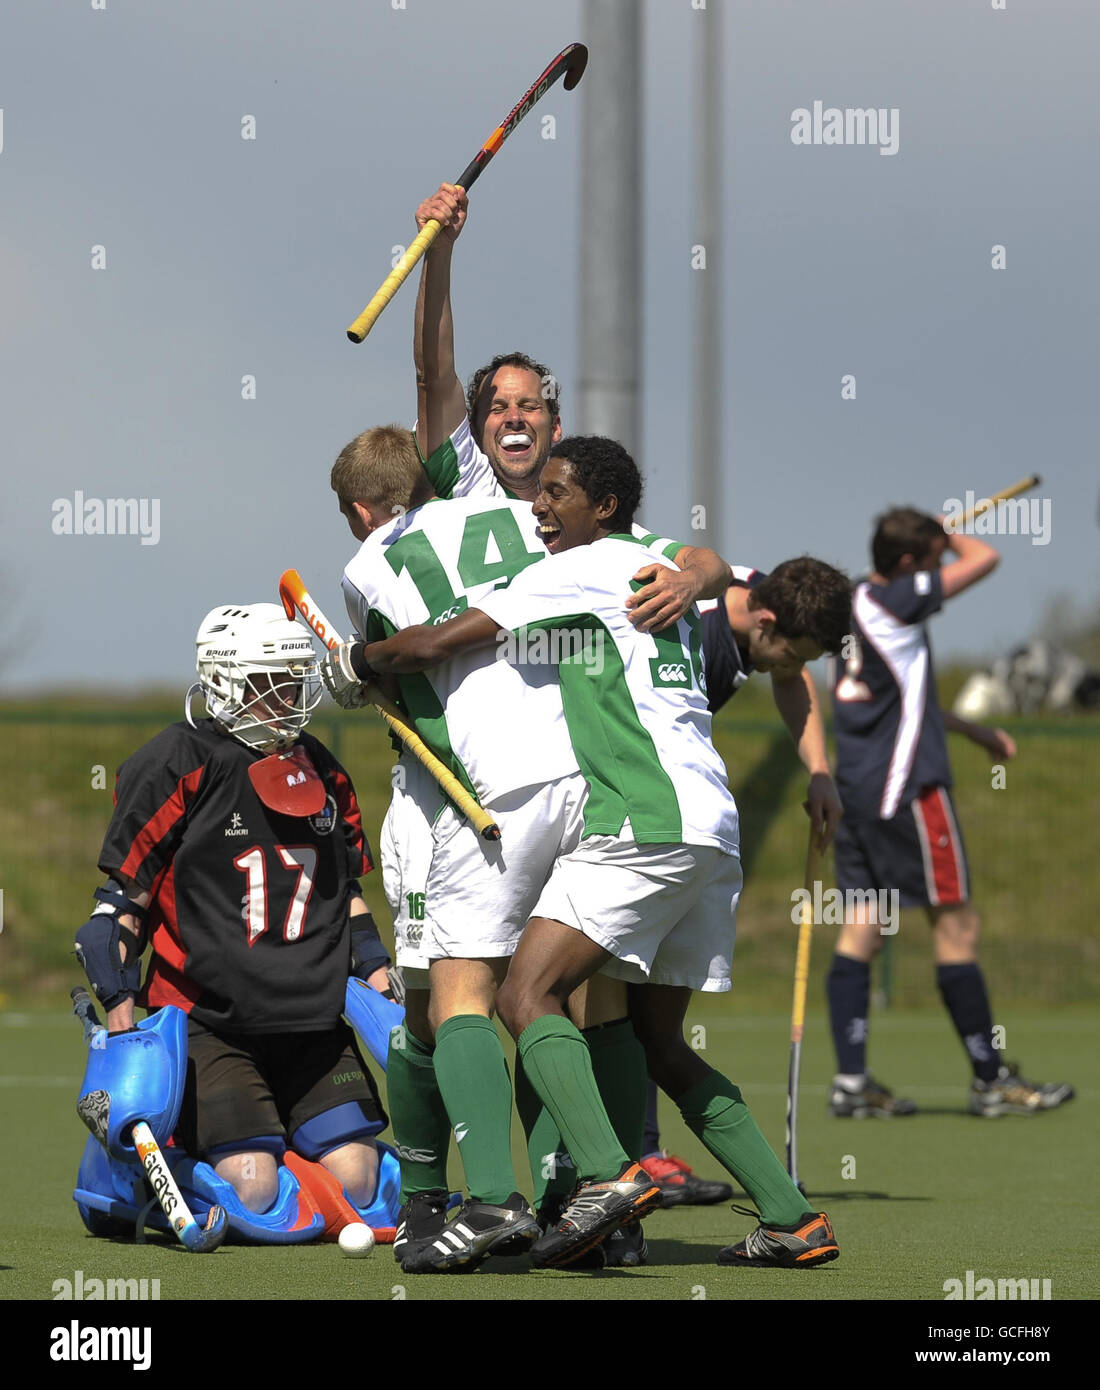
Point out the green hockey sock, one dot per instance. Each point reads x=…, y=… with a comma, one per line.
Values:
x=619, y=1066
x=713, y=1110
x=557, y=1061
x=477, y=1091
x=552, y=1172
x=421, y=1129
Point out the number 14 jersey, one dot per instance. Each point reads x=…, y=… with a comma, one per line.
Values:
x=496, y=728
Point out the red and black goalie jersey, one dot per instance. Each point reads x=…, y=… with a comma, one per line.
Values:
x=249, y=913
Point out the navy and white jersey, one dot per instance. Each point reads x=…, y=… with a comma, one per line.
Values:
x=726, y=664
x=889, y=729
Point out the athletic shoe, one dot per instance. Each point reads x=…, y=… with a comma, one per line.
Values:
x=625, y=1248
x=596, y=1209
x=476, y=1231
x=420, y=1221
x=810, y=1241
x=871, y=1099
x=1010, y=1094
x=679, y=1185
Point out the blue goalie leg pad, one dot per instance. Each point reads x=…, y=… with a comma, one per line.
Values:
x=381, y=1215
x=372, y=1017
x=111, y=1197
x=135, y=1076
x=291, y=1219
x=109, y=1193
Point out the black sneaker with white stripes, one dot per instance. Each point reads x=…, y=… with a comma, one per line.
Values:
x=594, y=1211
x=420, y=1221
x=476, y=1231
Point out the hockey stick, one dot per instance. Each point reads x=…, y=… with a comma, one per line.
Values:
x=963, y=519
x=198, y=1239
x=297, y=599
x=798, y=1009
x=570, y=62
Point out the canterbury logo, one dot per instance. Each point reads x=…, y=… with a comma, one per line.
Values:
x=415, y=1155
x=669, y=672
x=450, y=613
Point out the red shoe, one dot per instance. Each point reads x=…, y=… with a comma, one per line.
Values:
x=679, y=1185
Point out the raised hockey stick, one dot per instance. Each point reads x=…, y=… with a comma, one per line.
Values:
x=798, y=1008
x=297, y=599
x=960, y=520
x=569, y=63
x=198, y=1239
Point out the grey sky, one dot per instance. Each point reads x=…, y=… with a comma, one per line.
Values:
x=228, y=257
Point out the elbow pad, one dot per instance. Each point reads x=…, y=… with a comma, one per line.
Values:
x=97, y=947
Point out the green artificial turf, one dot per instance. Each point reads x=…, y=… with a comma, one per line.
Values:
x=924, y=1200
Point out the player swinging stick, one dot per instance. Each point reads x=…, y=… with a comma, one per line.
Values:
x=899, y=831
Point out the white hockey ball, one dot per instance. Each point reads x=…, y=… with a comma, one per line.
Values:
x=356, y=1240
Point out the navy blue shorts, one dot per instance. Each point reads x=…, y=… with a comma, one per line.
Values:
x=243, y=1085
x=920, y=853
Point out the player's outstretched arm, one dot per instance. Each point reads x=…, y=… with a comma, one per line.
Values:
x=440, y=400
x=997, y=741
x=974, y=559
x=667, y=594
x=418, y=648
x=796, y=700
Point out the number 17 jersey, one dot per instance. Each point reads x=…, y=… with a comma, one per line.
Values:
x=249, y=911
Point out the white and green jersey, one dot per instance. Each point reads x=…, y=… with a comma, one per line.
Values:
x=496, y=727
x=635, y=703
x=460, y=468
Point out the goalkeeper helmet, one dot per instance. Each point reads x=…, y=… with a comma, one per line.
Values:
x=258, y=673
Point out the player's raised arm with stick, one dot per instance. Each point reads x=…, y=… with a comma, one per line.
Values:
x=495, y=440
x=440, y=399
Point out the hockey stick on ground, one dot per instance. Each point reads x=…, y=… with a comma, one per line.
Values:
x=198, y=1239
x=570, y=62
x=798, y=1009
x=297, y=599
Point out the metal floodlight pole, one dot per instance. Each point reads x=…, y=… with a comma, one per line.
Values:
x=609, y=312
x=707, y=460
